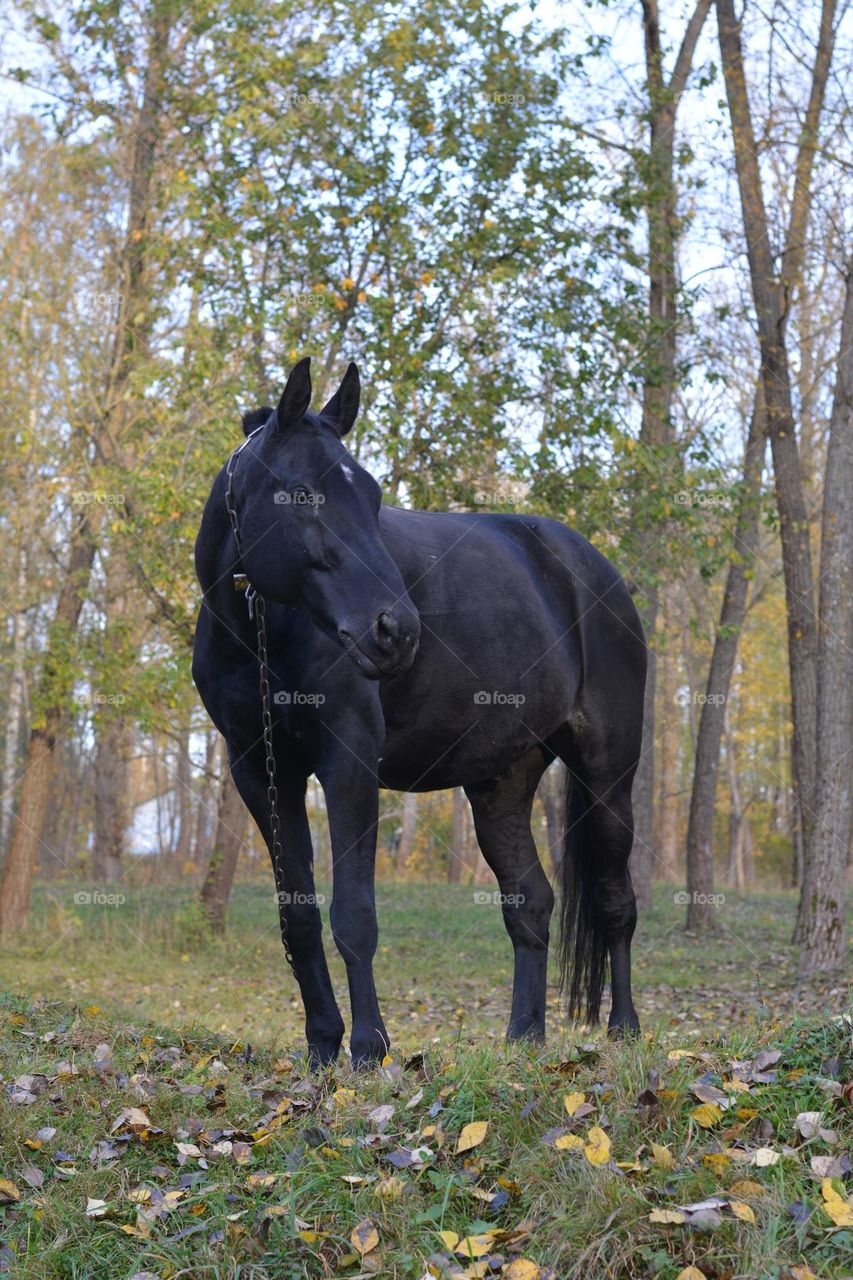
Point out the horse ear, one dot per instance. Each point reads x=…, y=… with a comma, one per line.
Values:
x=256, y=418
x=343, y=406
x=296, y=396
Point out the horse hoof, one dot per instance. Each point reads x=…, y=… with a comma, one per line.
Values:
x=627, y=1028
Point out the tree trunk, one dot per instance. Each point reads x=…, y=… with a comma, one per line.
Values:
x=49, y=702
x=822, y=900
x=184, y=802
x=552, y=792
x=15, y=702
x=703, y=797
x=656, y=432
x=410, y=826
x=231, y=820
x=112, y=793
x=458, y=859
x=771, y=297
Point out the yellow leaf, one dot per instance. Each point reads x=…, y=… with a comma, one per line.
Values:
x=746, y=1190
x=572, y=1101
x=675, y=1055
x=669, y=1217
x=690, y=1273
x=597, y=1149
x=662, y=1156
x=476, y=1246
x=835, y=1205
x=472, y=1135
x=8, y=1191
x=707, y=1115
x=343, y=1096
x=742, y=1211
x=569, y=1142
x=364, y=1237
x=522, y=1269
x=802, y=1272
x=449, y=1239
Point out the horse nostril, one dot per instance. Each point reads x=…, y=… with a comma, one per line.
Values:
x=386, y=629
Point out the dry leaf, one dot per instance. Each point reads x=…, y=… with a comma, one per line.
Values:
x=802, y=1271
x=742, y=1211
x=835, y=1205
x=522, y=1269
x=8, y=1191
x=364, y=1237
x=472, y=1135
x=690, y=1273
x=476, y=1246
x=597, y=1149
x=707, y=1115
x=569, y=1142
x=668, y=1217
x=572, y=1101
x=662, y=1156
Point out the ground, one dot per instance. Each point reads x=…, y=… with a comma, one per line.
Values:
x=158, y=1119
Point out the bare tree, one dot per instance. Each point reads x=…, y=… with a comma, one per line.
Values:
x=822, y=899
x=657, y=432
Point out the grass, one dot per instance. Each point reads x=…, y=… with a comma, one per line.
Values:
x=281, y=1175
x=443, y=970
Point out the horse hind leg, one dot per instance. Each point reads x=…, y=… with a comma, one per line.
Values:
x=599, y=910
x=502, y=808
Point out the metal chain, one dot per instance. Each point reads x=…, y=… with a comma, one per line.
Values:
x=258, y=610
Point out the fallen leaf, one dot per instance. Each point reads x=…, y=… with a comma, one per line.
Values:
x=742, y=1211
x=835, y=1205
x=597, y=1149
x=690, y=1273
x=569, y=1142
x=764, y=1157
x=707, y=1115
x=668, y=1217
x=572, y=1101
x=522, y=1269
x=662, y=1156
x=95, y=1208
x=802, y=1272
x=476, y=1246
x=471, y=1135
x=364, y=1237
x=8, y=1191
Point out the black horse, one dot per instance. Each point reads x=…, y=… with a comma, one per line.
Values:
x=418, y=651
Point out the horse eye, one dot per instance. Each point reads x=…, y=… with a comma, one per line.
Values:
x=300, y=494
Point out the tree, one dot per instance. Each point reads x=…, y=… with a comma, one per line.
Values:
x=822, y=898
x=771, y=298
x=657, y=432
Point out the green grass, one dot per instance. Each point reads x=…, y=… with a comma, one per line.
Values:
x=205, y=1036
x=443, y=970
x=315, y=1163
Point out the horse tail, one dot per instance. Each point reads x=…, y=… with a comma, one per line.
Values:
x=583, y=949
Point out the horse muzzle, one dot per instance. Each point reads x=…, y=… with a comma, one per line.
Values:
x=387, y=647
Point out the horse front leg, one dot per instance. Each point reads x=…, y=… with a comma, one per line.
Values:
x=352, y=801
x=297, y=902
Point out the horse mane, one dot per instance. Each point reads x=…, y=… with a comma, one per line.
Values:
x=255, y=418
